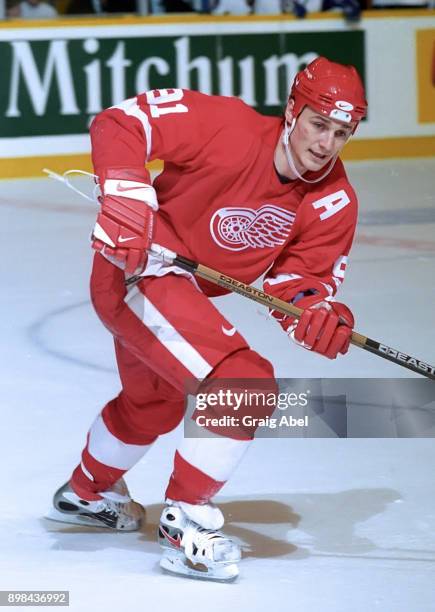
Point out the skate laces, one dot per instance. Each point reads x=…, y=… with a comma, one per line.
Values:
x=209, y=543
x=203, y=536
x=109, y=507
x=208, y=534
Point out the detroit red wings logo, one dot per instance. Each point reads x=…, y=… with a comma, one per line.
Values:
x=236, y=229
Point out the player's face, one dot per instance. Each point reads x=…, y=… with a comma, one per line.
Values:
x=316, y=139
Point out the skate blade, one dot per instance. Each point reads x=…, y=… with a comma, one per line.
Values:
x=179, y=566
x=74, y=519
x=83, y=521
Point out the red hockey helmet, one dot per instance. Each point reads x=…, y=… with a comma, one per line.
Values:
x=332, y=89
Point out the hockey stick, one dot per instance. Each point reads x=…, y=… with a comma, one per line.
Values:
x=223, y=280
x=197, y=269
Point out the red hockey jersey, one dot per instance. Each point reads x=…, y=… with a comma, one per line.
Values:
x=221, y=200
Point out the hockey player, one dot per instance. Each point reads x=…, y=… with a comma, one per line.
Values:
x=245, y=194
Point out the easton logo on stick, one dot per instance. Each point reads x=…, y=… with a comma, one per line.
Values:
x=247, y=290
x=424, y=367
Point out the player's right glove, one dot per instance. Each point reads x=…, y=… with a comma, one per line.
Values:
x=324, y=327
x=125, y=225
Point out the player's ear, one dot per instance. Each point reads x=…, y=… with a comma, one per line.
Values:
x=288, y=113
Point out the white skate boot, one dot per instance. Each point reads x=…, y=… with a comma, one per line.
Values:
x=193, y=547
x=116, y=510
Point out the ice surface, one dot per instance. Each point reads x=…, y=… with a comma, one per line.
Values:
x=327, y=525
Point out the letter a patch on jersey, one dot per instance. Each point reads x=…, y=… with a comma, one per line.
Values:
x=332, y=203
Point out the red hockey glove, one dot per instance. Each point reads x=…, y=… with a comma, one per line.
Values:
x=124, y=227
x=324, y=327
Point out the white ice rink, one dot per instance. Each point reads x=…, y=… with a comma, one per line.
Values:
x=327, y=525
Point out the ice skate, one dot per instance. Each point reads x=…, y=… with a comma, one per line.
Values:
x=193, y=547
x=116, y=510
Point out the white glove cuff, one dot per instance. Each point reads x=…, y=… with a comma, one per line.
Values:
x=133, y=190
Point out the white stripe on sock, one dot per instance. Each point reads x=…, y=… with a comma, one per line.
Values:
x=86, y=472
x=107, y=449
x=217, y=457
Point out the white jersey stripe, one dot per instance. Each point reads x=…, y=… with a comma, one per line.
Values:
x=132, y=108
x=216, y=457
x=107, y=449
x=282, y=278
x=174, y=342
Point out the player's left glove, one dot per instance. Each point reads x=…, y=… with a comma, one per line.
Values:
x=124, y=228
x=325, y=327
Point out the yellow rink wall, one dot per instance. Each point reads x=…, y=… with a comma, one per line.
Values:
x=58, y=74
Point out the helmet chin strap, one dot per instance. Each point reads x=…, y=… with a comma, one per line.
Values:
x=285, y=139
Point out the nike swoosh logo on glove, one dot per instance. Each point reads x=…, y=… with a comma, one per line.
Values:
x=121, y=188
x=121, y=239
